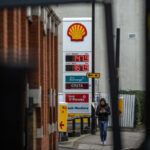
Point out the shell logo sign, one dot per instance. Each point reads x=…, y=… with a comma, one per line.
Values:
x=77, y=32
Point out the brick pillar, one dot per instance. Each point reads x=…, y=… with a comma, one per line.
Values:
x=52, y=87
x=46, y=96
x=53, y=82
x=34, y=61
x=24, y=36
x=49, y=49
x=48, y=80
x=3, y=35
x=56, y=79
x=34, y=53
x=42, y=70
x=23, y=58
x=45, y=140
x=18, y=35
x=12, y=35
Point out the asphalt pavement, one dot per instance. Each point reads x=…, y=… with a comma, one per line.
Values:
x=130, y=139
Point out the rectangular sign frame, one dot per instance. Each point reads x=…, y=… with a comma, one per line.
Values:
x=77, y=98
x=86, y=43
x=93, y=75
x=77, y=86
x=81, y=111
x=82, y=108
x=62, y=119
x=76, y=79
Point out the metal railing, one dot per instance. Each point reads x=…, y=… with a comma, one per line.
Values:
x=126, y=120
x=82, y=129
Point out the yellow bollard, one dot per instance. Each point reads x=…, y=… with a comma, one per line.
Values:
x=120, y=106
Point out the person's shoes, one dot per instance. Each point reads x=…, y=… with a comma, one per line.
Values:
x=104, y=142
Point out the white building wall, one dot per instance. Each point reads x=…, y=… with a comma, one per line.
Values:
x=100, y=49
x=129, y=17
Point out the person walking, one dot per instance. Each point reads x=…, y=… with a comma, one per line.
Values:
x=103, y=111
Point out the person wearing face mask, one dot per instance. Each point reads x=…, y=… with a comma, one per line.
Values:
x=103, y=111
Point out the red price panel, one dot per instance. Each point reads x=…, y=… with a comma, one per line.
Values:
x=77, y=68
x=77, y=58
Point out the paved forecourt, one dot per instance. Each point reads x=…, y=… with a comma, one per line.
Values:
x=92, y=142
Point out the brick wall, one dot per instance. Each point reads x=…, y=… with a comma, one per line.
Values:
x=22, y=41
x=34, y=79
x=12, y=35
x=24, y=36
x=56, y=82
x=3, y=35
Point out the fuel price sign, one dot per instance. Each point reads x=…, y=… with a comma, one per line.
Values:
x=77, y=62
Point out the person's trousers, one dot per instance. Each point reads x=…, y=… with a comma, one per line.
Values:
x=103, y=129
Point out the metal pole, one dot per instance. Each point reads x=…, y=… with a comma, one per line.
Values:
x=81, y=122
x=147, y=68
x=117, y=54
x=146, y=143
x=117, y=46
x=93, y=130
x=74, y=126
x=112, y=75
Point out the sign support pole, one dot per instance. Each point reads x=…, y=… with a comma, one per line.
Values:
x=112, y=75
x=146, y=144
x=117, y=54
x=93, y=130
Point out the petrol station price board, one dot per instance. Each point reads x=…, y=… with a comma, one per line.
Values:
x=77, y=86
x=77, y=60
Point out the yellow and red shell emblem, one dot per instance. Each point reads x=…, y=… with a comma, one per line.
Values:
x=77, y=32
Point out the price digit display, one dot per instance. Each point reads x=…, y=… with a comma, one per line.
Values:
x=77, y=67
x=77, y=58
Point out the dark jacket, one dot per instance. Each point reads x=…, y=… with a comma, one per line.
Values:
x=103, y=116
